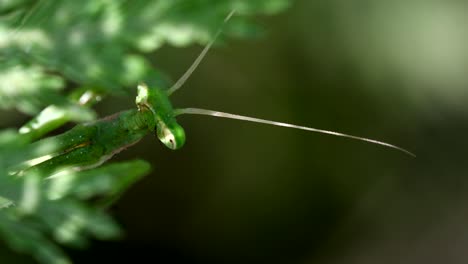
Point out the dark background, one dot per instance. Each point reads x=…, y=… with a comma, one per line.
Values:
x=248, y=193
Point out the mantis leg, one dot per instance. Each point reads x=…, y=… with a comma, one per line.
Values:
x=79, y=136
x=87, y=156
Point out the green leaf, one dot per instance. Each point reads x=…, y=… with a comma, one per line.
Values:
x=24, y=237
x=28, y=88
x=106, y=180
x=5, y=203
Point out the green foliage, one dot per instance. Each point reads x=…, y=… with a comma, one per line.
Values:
x=34, y=209
x=98, y=43
x=48, y=47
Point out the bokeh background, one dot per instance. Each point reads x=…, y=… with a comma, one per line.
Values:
x=240, y=192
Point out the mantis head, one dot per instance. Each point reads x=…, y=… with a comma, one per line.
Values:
x=172, y=135
x=162, y=118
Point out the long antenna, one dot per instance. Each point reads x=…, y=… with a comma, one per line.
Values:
x=200, y=57
x=198, y=111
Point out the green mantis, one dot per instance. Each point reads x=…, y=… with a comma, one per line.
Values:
x=90, y=144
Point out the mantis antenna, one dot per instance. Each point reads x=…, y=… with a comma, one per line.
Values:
x=200, y=57
x=198, y=111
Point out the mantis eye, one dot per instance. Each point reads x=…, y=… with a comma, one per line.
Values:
x=172, y=137
x=170, y=141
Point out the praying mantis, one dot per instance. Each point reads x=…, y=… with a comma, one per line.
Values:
x=90, y=144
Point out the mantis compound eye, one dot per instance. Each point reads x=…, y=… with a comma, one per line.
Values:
x=172, y=137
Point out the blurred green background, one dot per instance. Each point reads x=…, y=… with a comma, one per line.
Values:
x=248, y=193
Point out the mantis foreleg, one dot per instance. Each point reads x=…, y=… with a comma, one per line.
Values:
x=87, y=145
x=77, y=136
x=83, y=157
